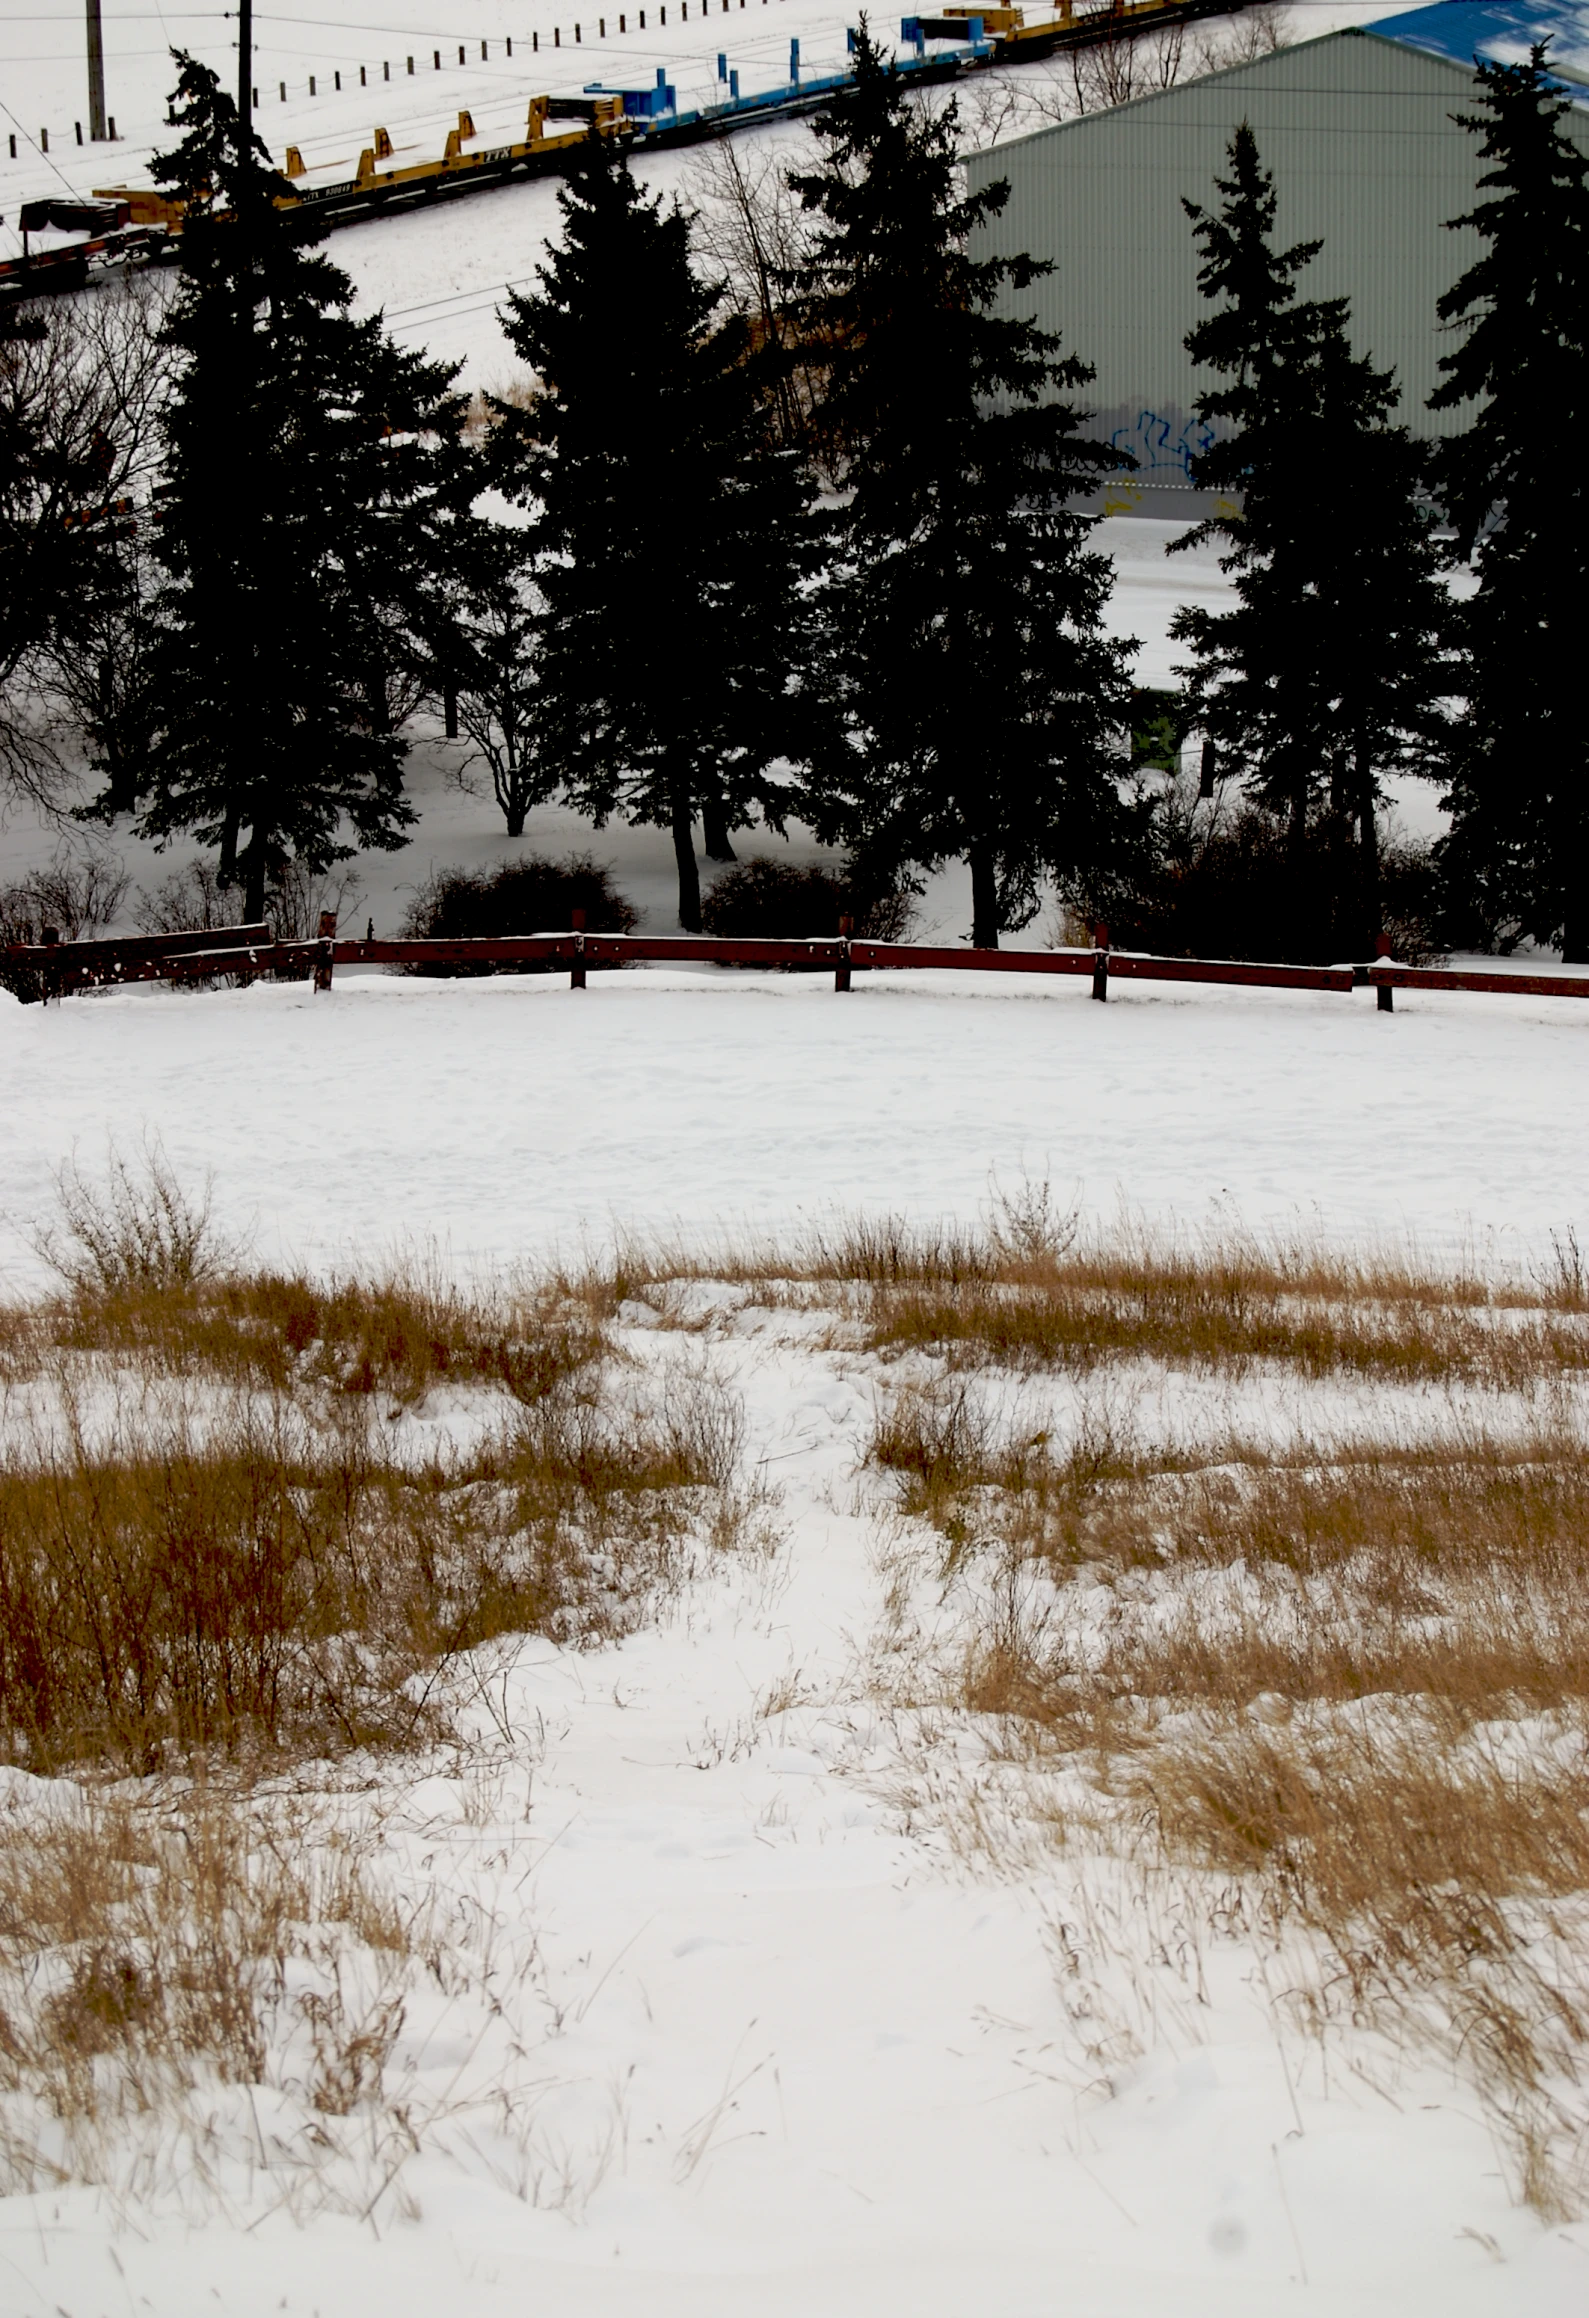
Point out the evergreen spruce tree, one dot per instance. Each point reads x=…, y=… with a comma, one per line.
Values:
x=972, y=702
x=1330, y=669
x=307, y=463
x=666, y=528
x=1516, y=491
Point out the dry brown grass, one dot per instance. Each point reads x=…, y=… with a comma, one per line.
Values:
x=259, y=1584
x=1353, y=1692
x=211, y=1539
x=1032, y=1291
x=1345, y=1685
x=148, y=1281
x=1079, y=1312
x=394, y=1337
x=156, y=1947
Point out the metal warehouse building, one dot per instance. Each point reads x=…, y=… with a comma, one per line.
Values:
x=1356, y=128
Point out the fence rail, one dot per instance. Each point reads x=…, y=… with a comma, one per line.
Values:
x=54, y=969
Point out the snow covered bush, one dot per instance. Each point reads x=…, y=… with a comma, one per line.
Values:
x=1222, y=878
x=777, y=900
x=529, y=896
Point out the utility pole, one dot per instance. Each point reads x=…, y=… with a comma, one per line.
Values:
x=98, y=132
x=245, y=72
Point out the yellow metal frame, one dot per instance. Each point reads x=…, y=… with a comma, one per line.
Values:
x=149, y=207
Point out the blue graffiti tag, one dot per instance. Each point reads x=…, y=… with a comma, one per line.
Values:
x=1152, y=445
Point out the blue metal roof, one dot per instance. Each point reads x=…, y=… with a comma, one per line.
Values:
x=1501, y=32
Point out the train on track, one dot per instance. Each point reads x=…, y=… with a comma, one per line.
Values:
x=139, y=225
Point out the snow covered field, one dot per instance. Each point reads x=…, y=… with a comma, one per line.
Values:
x=506, y=1122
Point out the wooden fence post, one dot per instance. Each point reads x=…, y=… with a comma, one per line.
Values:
x=322, y=964
x=1100, y=961
x=576, y=972
x=1387, y=996
x=841, y=972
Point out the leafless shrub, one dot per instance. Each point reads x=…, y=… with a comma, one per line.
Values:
x=132, y=1230
x=1027, y=1224
x=193, y=900
x=1255, y=32
x=298, y=895
x=79, y=893
x=1122, y=63
x=997, y=104
x=189, y=900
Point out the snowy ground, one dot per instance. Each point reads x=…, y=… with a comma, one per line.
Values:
x=503, y=1121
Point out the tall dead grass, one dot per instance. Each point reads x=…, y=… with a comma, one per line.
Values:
x=1032, y=1290
x=158, y=1948
x=243, y=1534
x=1232, y=1313
x=148, y=1280
x=257, y=1584
x=1343, y=1684
x=211, y=1540
x=1349, y=1687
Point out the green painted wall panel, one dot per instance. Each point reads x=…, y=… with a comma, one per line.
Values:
x=1357, y=131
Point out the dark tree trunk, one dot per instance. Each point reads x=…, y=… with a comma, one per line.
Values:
x=1310, y=900
x=984, y=898
x=449, y=717
x=689, y=872
x=714, y=828
x=1297, y=835
x=121, y=790
x=515, y=815
x=1372, y=903
x=226, y=872
x=1575, y=915
x=253, y=866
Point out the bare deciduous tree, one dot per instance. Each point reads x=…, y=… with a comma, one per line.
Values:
x=1122, y=62
x=81, y=384
x=495, y=641
x=750, y=228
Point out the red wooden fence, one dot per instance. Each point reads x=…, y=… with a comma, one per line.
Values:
x=54, y=968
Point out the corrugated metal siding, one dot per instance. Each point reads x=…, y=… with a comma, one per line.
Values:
x=1365, y=156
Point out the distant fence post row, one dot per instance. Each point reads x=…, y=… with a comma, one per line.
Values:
x=52, y=968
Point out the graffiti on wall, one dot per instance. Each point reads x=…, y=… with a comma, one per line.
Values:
x=1158, y=444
